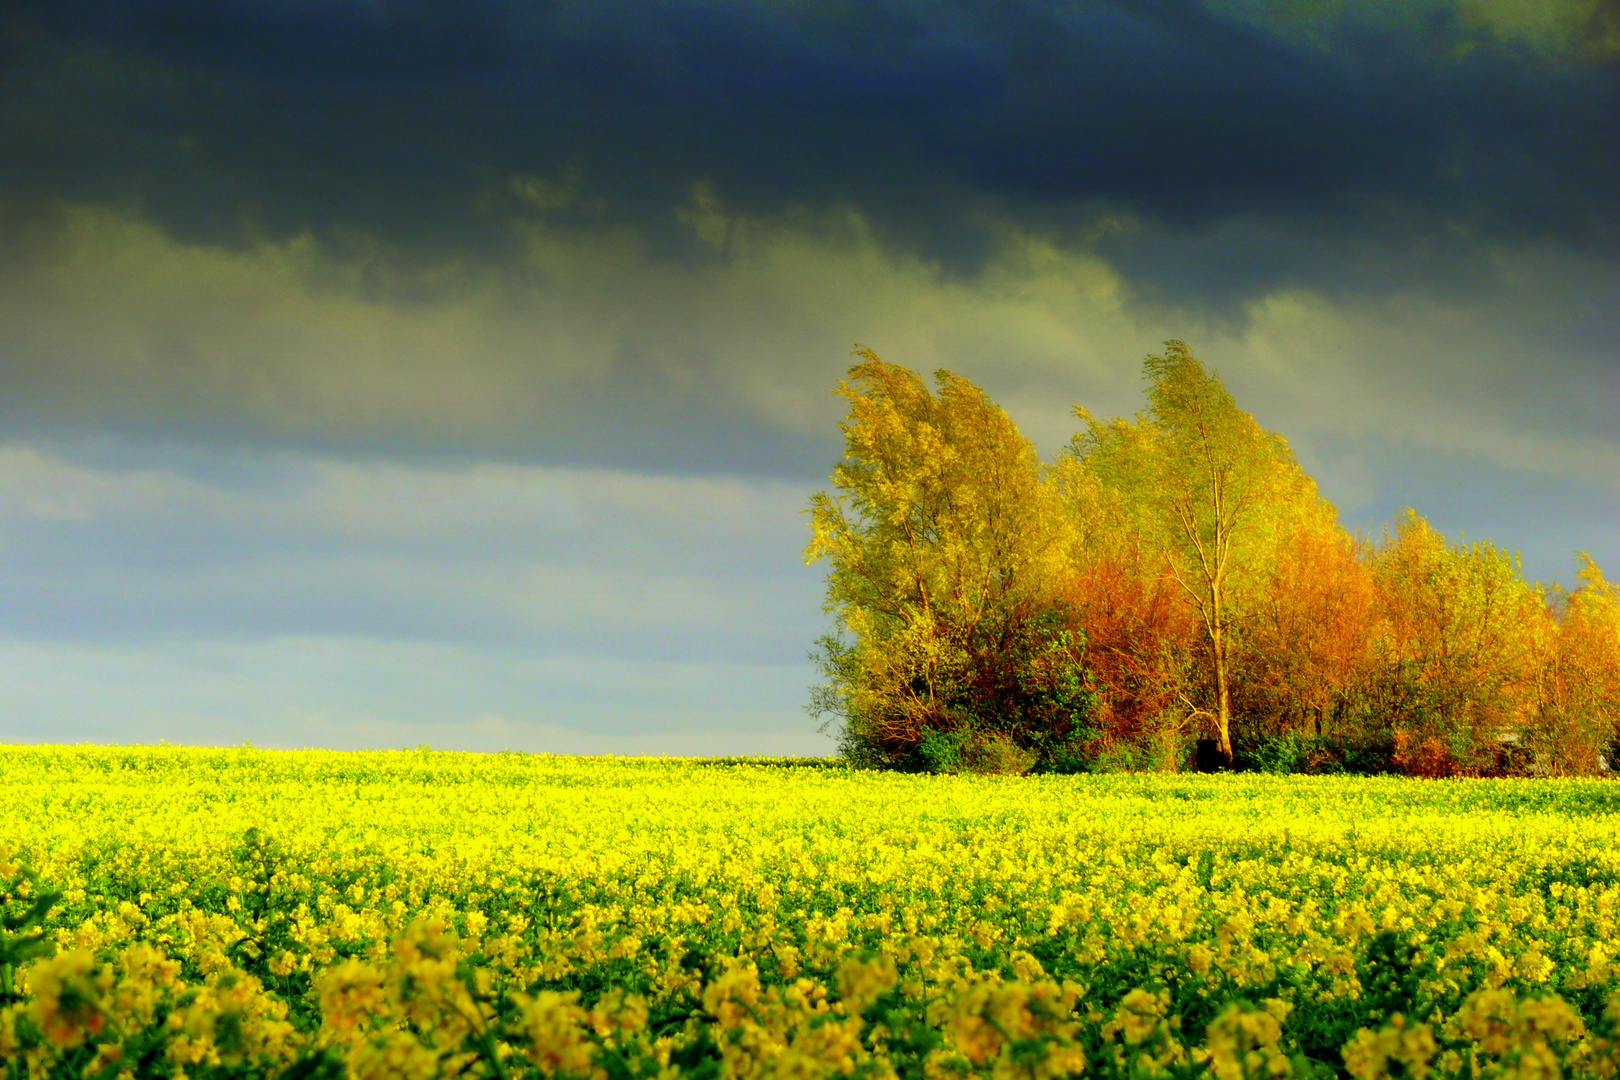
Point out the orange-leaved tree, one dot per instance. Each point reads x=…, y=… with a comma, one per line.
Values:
x=1305, y=649
x=1138, y=630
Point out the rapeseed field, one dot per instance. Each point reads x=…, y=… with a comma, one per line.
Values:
x=176, y=912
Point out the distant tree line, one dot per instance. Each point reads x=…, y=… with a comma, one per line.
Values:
x=1169, y=579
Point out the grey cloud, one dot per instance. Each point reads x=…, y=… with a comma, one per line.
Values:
x=1544, y=519
x=577, y=562
x=351, y=693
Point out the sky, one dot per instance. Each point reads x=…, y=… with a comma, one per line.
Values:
x=383, y=372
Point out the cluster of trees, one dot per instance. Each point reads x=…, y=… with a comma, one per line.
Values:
x=1171, y=579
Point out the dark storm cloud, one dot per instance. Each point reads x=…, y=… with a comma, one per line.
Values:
x=409, y=121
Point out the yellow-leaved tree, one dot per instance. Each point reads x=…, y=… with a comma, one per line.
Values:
x=1453, y=649
x=1577, y=717
x=941, y=539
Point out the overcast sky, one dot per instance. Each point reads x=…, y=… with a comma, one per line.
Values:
x=375, y=373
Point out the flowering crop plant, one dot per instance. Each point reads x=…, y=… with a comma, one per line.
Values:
x=172, y=912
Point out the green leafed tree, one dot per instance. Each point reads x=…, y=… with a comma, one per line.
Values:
x=1209, y=491
x=940, y=537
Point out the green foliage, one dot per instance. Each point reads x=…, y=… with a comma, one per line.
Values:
x=1279, y=754
x=1065, y=759
x=968, y=750
x=943, y=751
x=1296, y=752
x=24, y=904
x=1123, y=757
x=994, y=753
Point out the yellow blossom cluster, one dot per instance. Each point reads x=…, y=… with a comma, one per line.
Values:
x=171, y=912
x=77, y=1015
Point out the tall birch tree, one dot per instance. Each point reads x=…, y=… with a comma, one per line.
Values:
x=1209, y=490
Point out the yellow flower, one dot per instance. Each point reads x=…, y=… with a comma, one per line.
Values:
x=1024, y=1030
x=9, y=1044
x=67, y=998
x=732, y=997
x=618, y=1013
x=146, y=978
x=426, y=986
x=1242, y=1044
x=1528, y=1037
x=1368, y=1054
x=1139, y=1014
x=555, y=1025
x=351, y=994
x=861, y=982
x=1551, y=1017
x=399, y=1055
